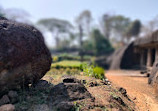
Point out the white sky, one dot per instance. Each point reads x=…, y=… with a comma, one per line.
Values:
x=145, y=10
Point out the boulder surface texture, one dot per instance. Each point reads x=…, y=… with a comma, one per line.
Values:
x=24, y=57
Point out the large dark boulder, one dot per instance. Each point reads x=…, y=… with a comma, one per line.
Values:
x=24, y=57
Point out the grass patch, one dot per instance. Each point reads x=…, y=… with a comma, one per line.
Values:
x=91, y=70
x=66, y=64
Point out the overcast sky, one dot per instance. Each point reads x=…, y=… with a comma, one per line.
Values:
x=144, y=10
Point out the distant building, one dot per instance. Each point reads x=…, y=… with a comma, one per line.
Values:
x=140, y=54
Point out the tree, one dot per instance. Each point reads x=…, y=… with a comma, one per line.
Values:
x=2, y=14
x=106, y=25
x=84, y=19
x=56, y=27
x=101, y=44
x=134, y=29
x=120, y=25
x=150, y=27
x=115, y=25
x=83, y=22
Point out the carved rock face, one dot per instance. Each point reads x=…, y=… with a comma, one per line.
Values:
x=24, y=57
x=153, y=79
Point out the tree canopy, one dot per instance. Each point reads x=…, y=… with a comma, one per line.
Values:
x=53, y=24
x=56, y=27
x=134, y=29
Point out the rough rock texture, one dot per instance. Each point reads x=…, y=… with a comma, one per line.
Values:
x=153, y=79
x=4, y=100
x=125, y=58
x=7, y=107
x=64, y=95
x=24, y=58
x=40, y=107
x=13, y=95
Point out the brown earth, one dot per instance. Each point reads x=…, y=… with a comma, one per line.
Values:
x=73, y=92
x=106, y=97
x=137, y=88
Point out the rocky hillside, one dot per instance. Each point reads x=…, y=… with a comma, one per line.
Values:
x=60, y=92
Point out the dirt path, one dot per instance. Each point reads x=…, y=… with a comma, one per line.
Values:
x=137, y=88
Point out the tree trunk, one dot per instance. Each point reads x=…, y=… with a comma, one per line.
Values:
x=81, y=42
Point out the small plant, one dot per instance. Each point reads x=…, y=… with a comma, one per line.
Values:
x=91, y=70
x=98, y=73
x=68, y=71
x=55, y=59
x=88, y=69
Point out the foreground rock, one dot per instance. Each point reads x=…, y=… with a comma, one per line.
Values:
x=64, y=96
x=153, y=78
x=4, y=100
x=13, y=96
x=7, y=107
x=24, y=58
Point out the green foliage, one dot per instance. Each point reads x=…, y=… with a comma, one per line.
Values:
x=63, y=71
x=120, y=23
x=91, y=70
x=55, y=58
x=2, y=14
x=99, y=72
x=84, y=20
x=66, y=56
x=115, y=25
x=102, y=45
x=134, y=28
x=88, y=69
x=89, y=45
x=35, y=95
x=66, y=64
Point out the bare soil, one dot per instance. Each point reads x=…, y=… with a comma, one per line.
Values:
x=137, y=88
x=82, y=93
x=106, y=97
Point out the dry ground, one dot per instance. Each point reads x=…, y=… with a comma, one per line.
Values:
x=103, y=94
x=137, y=88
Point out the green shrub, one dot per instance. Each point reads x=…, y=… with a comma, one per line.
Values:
x=91, y=70
x=57, y=66
x=68, y=71
x=81, y=67
x=87, y=69
x=98, y=73
x=55, y=59
x=66, y=64
x=66, y=56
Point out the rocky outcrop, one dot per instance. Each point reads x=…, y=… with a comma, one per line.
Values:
x=64, y=95
x=7, y=107
x=24, y=57
x=153, y=78
x=125, y=58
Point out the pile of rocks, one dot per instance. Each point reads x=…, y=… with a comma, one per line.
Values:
x=7, y=101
